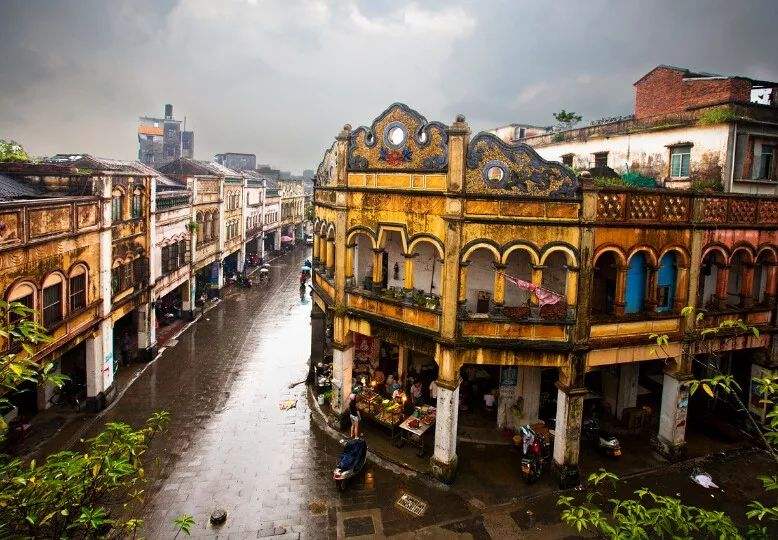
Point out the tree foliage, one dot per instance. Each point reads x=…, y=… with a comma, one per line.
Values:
x=567, y=119
x=12, y=151
x=70, y=494
x=75, y=494
x=650, y=515
x=17, y=364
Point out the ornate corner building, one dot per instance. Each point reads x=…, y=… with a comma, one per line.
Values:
x=478, y=261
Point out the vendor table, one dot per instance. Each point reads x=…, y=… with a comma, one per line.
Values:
x=415, y=436
x=370, y=405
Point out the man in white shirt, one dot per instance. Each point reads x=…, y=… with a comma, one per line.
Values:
x=434, y=391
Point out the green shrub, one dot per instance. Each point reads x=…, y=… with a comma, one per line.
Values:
x=719, y=115
x=708, y=184
x=636, y=179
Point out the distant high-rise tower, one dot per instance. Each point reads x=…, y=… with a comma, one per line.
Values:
x=160, y=140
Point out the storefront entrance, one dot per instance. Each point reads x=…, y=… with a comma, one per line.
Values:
x=125, y=340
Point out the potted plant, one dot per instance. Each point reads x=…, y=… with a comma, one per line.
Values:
x=324, y=397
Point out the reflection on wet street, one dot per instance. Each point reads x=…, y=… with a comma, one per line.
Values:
x=231, y=446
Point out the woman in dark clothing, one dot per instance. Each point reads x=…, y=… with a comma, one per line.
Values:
x=353, y=412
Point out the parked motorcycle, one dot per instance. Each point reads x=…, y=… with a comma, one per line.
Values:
x=604, y=442
x=536, y=454
x=350, y=462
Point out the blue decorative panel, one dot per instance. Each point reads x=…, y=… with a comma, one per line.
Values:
x=636, y=284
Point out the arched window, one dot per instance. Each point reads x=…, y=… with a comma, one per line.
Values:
x=200, y=228
x=605, y=275
x=23, y=293
x=762, y=269
x=666, y=282
x=635, y=289
x=137, y=203
x=116, y=277
x=182, y=251
x=214, y=225
x=209, y=227
x=53, y=296
x=77, y=282
x=117, y=205
x=709, y=276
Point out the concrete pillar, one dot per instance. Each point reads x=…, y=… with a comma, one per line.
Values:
x=651, y=292
x=681, y=288
x=408, y=272
x=722, y=282
x=147, y=332
x=567, y=435
x=771, y=283
x=349, y=269
x=627, y=395
x=377, y=267
x=277, y=239
x=621, y=281
x=537, y=280
x=100, y=367
x=671, y=439
x=317, y=336
x=571, y=286
x=216, y=279
x=242, y=258
x=444, y=458
x=261, y=245
x=529, y=390
x=342, y=366
x=498, y=289
x=188, y=299
x=45, y=391
x=402, y=361
x=747, y=286
x=330, y=258
x=506, y=399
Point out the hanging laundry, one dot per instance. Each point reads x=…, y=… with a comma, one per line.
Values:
x=544, y=296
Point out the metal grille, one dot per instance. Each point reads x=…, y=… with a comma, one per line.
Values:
x=412, y=505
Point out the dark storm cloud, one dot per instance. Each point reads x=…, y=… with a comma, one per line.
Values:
x=280, y=78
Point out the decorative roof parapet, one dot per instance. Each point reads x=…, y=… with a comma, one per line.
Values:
x=399, y=139
x=496, y=167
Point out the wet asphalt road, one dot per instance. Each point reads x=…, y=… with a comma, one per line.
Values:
x=230, y=446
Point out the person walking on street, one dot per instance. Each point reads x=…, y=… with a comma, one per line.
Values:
x=353, y=412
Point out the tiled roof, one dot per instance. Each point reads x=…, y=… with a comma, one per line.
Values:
x=12, y=189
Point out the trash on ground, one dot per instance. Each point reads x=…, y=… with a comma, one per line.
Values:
x=287, y=404
x=704, y=480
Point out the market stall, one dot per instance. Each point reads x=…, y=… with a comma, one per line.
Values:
x=414, y=428
x=374, y=407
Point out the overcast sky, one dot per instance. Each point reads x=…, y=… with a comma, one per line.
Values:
x=280, y=78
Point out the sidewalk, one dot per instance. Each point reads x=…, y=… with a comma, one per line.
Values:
x=489, y=468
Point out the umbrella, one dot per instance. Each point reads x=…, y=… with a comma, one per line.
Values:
x=287, y=239
x=305, y=268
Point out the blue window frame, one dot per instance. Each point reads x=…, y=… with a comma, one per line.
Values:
x=666, y=281
x=636, y=284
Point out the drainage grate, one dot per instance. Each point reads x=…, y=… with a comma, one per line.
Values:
x=412, y=505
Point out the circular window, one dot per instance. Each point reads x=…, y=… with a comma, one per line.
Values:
x=495, y=174
x=394, y=135
x=422, y=136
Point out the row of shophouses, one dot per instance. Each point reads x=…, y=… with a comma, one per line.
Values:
x=430, y=241
x=98, y=248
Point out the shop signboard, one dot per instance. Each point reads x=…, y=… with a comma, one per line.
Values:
x=509, y=376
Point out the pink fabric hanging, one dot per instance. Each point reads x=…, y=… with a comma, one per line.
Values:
x=544, y=296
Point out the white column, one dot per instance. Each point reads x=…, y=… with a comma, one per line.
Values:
x=277, y=239
x=444, y=458
x=99, y=364
x=242, y=257
x=219, y=275
x=529, y=390
x=147, y=332
x=672, y=419
x=187, y=297
x=342, y=366
x=628, y=388
x=567, y=435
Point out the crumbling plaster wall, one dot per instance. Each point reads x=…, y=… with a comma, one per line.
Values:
x=649, y=153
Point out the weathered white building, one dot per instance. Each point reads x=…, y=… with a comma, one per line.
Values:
x=689, y=129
